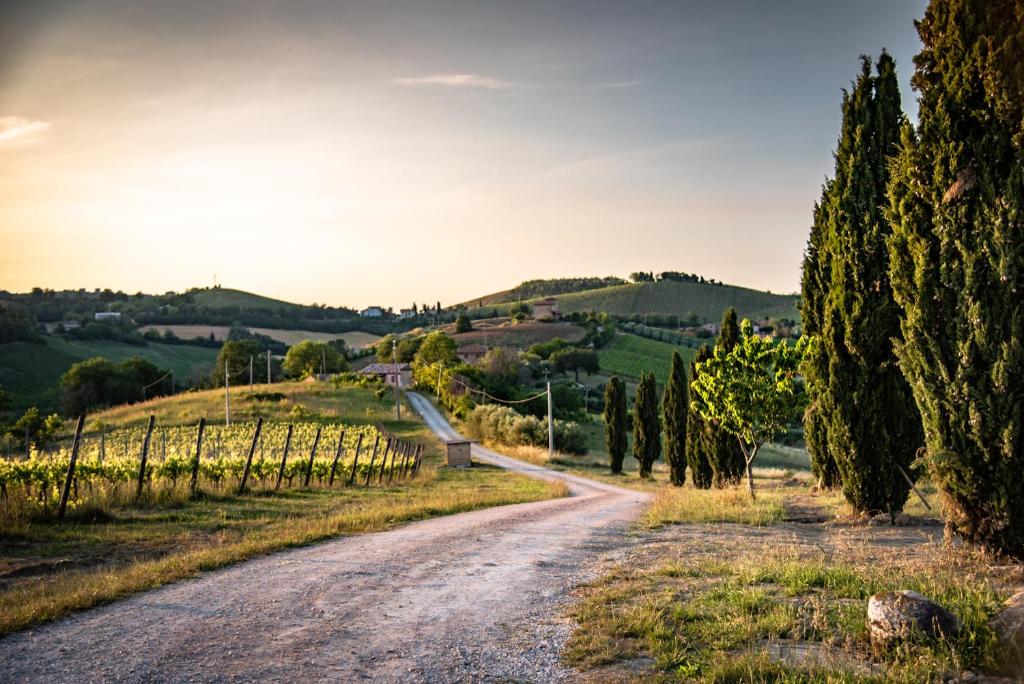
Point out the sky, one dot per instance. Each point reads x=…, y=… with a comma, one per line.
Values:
x=385, y=152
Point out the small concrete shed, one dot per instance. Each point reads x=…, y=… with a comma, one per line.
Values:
x=458, y=453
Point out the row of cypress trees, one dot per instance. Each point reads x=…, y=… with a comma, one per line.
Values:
x=712, y=455
x=914, y=276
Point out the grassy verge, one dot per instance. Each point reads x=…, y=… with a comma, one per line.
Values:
x=49, y=569
x=756, y=616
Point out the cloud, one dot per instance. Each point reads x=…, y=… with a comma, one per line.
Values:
x=456, y=81
x=17, y=130
x=615, y=84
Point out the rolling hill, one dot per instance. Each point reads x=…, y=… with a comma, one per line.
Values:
x=221, y=297
x=667, y=298
x=31, y=372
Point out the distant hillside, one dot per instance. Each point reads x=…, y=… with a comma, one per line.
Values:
x=706, y=301
x=530, y=289
x=666, y=298
x=222, y=297
x=31, y=371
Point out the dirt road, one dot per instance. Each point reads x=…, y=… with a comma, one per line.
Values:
x=469, y=597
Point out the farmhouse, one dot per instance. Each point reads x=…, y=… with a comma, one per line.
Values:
x=471, y=353
x=546, y=309
x=372, y=312
x=108, y=315
x=391, y=373
x=407, y=313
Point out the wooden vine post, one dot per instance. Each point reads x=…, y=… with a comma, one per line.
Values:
x=416, y=463
x=195, y=462
x=337, y=456
x=145, y=455
x=284, y=458
x=62, y=508
x=248, y=458
x=391, y=468
x=405, y=460
x=373, y=459
x=355, y=460
x=312, y=455
x=384, y=459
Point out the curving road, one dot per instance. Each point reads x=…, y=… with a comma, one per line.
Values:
x=468, y=597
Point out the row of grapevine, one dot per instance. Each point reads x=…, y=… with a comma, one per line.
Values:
x=126, y=462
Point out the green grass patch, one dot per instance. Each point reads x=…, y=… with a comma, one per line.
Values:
x=715, y=621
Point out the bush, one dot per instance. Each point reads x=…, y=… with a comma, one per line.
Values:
x=504, y=425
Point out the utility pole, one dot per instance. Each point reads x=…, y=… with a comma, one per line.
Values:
x=323, y=360
x=268, y=366
x=250, y=373
x=398, y=380
x=551, y=427
x=440, y=371
x=227, y=394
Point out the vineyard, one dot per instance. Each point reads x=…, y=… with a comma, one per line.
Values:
x=681, y=299
x=133, y=462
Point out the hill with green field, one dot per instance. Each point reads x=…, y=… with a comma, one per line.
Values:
x=676, y=301
x=31, y=372
x=630, y=355
x=223, y=297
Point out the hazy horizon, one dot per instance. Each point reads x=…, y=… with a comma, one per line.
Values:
x=368, y=153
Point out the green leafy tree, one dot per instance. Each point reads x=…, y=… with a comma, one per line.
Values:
x=576, y=360
x=957, y=263
x=697, y=431
x=616, y=422
x=37, y=428
x=463, y=324
x=751, y=391
x=674, y=408
x=437, y=348
x=235, y=355
x=520, y=311
x=646, y=424
x=309, y=358
x=872, y=428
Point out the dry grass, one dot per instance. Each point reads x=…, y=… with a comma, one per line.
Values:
x=355, y=340
x=732, y=603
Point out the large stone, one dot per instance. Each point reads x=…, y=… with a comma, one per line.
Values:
x=1009, y=627
x=906, y=615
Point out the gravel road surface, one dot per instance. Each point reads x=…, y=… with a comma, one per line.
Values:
x=469, y=597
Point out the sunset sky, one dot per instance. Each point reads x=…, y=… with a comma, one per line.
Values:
x=352, y=153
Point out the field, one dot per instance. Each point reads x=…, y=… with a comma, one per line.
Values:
x=680, y=299
x=31, y=372
x=226, y=297
x=629, y=355
x=355, y=340
x=502, y=332
x=115, y=544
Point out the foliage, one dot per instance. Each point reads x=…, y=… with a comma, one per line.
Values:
x=97, y=382
x=545, y=349
x=39, y=429
x=675, y=404
x=646, y=424
x=436, y=348
x=697, y=430
x=722, y=452
x=751, y=391
x=957, y=251
x=235, y=356
x=463, y=324
x=309, y=357
x=17, y=324
x=504, y=425
x=407, y=348
x=576, y=360
x=861, y=405
x=520, y=311
x=616, y=422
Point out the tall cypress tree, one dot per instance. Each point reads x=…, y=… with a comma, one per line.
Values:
x=674, y=408
x=957, y=259
x=616, y=422
x=723, y=451
x=814, y=285
x=646, y=424
x=696, y=432
x=872, y=428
